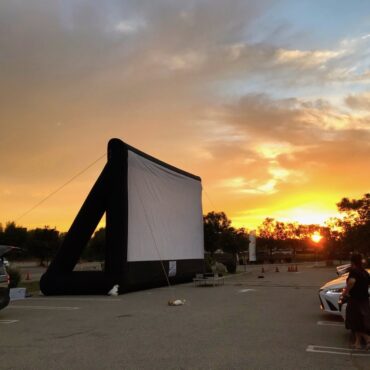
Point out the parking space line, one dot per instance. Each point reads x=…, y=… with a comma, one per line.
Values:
x=61, y=308
x=8, y=321
x=246, y=290
x=337, y=351
x=76, y=299
x=330, y=323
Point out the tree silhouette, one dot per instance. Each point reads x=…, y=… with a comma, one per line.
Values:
x=215, y=225
x=96, y=247
x=356, y=223
x=43, y=243
x=13, y=235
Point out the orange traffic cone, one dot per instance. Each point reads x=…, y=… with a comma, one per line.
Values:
x=262, y=270
x=277, y=269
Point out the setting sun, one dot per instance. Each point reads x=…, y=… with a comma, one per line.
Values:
x=316, y=237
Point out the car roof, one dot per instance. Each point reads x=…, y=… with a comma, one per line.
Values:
x=5, y=249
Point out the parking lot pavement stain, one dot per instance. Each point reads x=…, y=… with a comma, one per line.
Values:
x=73, y=334
x=125, y=315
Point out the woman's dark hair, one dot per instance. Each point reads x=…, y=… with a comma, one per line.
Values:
x=356, y=259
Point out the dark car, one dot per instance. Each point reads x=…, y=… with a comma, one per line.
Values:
x=4, y=278
x=4, y=286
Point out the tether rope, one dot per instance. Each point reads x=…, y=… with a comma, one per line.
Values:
x=209, y=198
x=59, y=188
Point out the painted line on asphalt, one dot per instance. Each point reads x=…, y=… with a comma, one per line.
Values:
x=76, y=299
x=8, y=321
x=330, y=323
x=246, y=290
x=337, y=351
x=57, y=308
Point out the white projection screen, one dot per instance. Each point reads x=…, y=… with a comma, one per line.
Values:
x=164, y=213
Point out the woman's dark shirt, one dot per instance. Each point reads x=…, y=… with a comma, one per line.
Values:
x=360, y=289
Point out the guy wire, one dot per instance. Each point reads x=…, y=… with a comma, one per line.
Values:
x=59, y=188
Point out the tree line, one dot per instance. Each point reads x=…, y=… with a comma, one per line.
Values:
x=43, y=243
x=272, y=237
x=340, y=236
x=351, y=232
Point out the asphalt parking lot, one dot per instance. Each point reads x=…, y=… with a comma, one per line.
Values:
x=248, y=323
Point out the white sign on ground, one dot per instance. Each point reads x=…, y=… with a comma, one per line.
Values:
x=17, y=293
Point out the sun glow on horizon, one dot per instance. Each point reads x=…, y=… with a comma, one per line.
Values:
x=316, y=237
x=308, y=216
x=312, y=213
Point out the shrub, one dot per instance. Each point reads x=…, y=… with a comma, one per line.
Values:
x=231, y=267
x=208, y=262
x=14, y=277
x=219, y=268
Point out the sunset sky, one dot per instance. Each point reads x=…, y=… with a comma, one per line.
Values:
x=267, y=101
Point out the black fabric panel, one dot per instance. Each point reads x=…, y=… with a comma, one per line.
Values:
x=117, y=210
x=75, y=241
x=76, y=282
x=149, y=274
x=82, y=228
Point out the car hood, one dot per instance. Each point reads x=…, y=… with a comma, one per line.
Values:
x=337, y=283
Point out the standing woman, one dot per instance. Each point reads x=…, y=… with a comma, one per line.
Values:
x=358, y=309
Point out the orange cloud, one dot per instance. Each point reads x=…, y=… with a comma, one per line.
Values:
x=189, y=84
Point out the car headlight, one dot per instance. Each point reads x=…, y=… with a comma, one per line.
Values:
x=334, y=291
